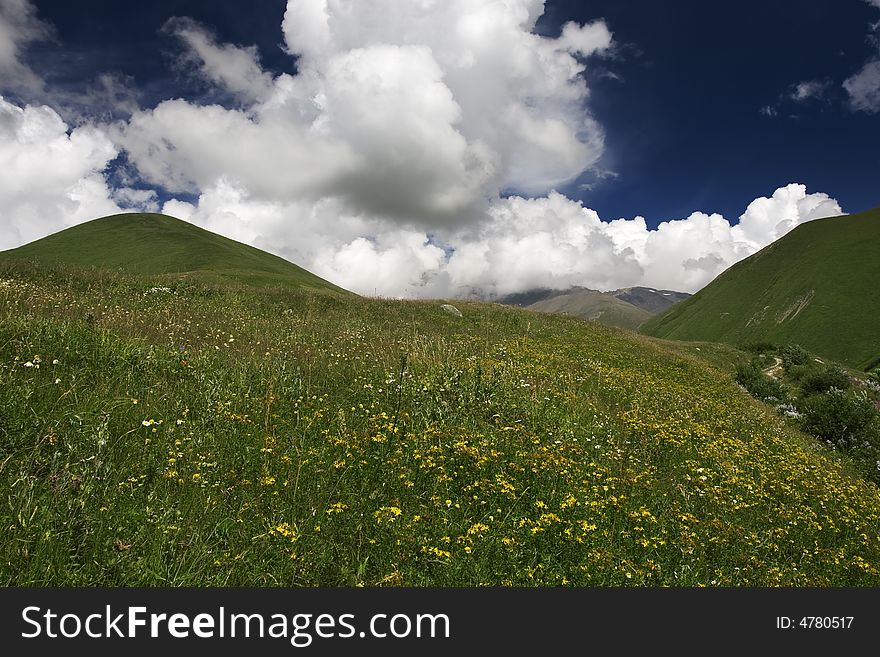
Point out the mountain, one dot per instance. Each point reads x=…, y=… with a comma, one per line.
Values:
x=626, y=308
x=599, y=307
x=156, y=244
x=818, y=286
x=649, y=299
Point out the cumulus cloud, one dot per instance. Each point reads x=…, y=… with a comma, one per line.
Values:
x=53, y=176
x=19, y=27
x=554, y=242
x=414, y=153
x=524, y=243
x=417, y=112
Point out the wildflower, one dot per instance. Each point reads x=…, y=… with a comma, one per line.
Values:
x=284, y=529
x=387, y=514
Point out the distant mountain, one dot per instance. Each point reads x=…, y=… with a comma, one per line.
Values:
x=647, y=298
x=154, y=244
x=818, y=286
x=626, y=308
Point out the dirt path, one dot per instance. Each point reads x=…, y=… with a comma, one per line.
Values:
x=775, y=368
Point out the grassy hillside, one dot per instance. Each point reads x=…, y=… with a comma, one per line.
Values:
x=221, y=435
x=597, y=306
x=155, y=244
x=817, y=286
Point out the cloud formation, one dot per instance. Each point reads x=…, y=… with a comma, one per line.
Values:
x=863, y=88
x=524, y=243
x=416, y=112
x=414, y=153
x=808, y=90
x=52, y=176
x=19, y=27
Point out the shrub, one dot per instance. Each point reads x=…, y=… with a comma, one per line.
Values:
x=798, y=373
x=750, y=377
x=840, y=417
x=794, y=354
x=823, y=380
x=759, y=347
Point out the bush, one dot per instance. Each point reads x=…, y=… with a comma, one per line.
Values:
x=794, y=354
x=759, y=384
x=798, y=373
x=840, y=417
x=823, y=380
x=759, y=347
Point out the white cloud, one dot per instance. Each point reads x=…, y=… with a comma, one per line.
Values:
x=808, y=90
x=418, y=112
x=554, y=242
x=381, y=164
x=550, y=242
x=52, y=178
x=19, y=26
x=864, y=88
x=234, y=68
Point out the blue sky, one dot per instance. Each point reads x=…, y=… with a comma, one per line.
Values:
x=680, y=113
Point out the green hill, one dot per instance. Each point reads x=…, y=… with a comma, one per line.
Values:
x=155, y=244
x=227, y=435
x=818, y=286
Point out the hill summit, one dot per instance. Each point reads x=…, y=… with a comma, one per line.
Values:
x=155, y=244
x=816, y=286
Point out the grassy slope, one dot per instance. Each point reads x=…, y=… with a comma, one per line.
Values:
x=596, y=306
x=219, y=436
x=154, y=244
x=830, y=267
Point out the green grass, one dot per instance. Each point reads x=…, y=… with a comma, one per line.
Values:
x=216, y=434
x=817, y=286
x=154, y=244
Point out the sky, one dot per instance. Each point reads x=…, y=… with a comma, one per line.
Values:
x=447, y=148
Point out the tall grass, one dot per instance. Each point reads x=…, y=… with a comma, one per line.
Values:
x=215, y=435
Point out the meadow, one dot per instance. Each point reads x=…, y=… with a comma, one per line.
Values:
x=159, y=431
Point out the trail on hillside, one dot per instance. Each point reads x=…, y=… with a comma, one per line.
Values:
x=775, y=368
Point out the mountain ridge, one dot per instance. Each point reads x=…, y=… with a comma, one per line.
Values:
x=625, y=308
